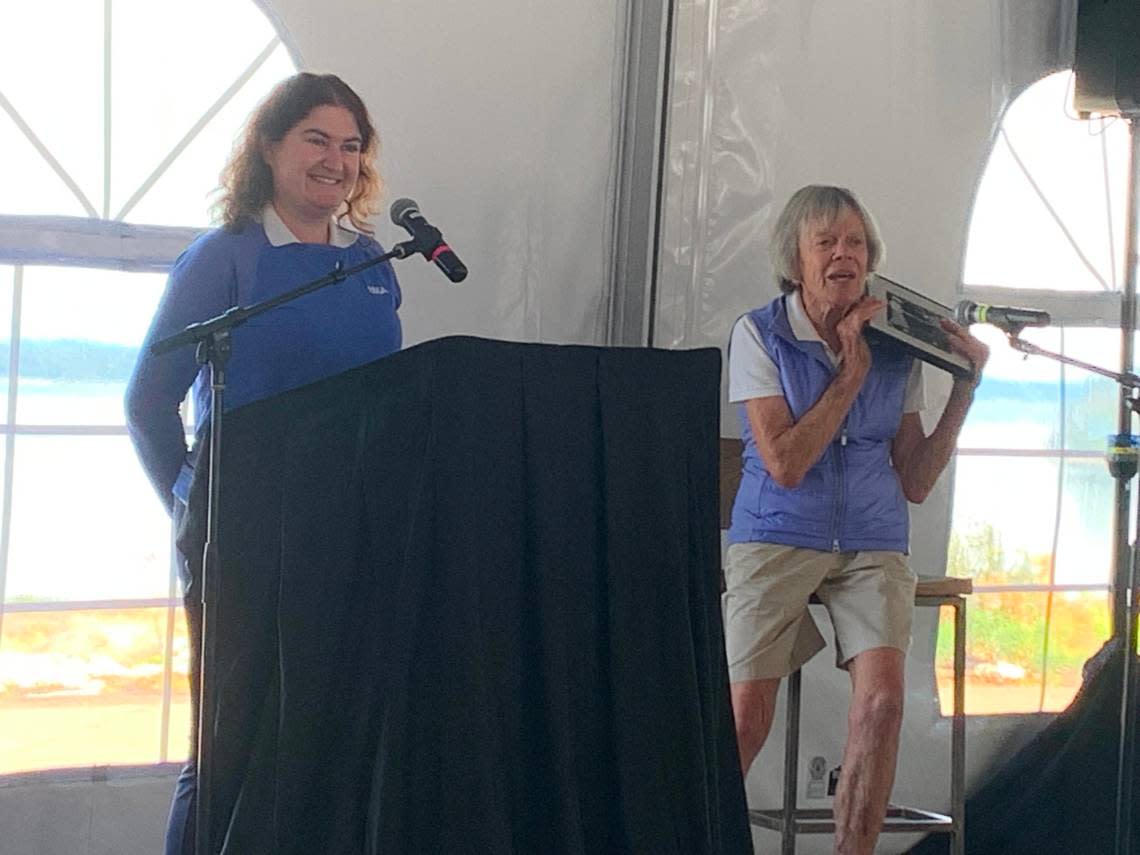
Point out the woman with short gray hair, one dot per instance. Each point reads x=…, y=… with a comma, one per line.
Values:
x=817, y=202
x=834, y=447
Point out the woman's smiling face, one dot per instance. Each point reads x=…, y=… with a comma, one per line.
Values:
x=315, y=165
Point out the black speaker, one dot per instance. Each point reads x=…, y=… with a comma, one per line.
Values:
x=1107, y=63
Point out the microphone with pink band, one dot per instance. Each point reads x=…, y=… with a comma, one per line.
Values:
x=426, y=240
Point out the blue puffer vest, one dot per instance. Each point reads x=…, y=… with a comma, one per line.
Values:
x=851, y=499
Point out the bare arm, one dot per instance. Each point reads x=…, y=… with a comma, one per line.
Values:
x=790, y=448
x=920, y=459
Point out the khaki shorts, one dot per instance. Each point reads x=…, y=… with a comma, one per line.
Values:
x=768, y=630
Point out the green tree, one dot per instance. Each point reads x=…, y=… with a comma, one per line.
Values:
x=978, y=554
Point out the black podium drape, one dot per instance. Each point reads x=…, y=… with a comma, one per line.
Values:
x=1057, y=795
x=470, y=603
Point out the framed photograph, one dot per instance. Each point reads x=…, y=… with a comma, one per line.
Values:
x=914, y=321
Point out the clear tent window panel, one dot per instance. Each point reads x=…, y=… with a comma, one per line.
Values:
x=91, y=687
x=86, y=524
x=8, y=276
x=1033, y=501
x=133, y=129
x=187, y=183
x=1024, y=650
x=135, y=103
x=1050, y=209
x=80, y=331
x=1003, y=519
x=35, y=83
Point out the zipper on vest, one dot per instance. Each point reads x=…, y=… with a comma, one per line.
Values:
x=835, y=516
x=839, y=486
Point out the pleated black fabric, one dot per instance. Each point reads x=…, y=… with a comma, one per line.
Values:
x=1057, y=795
x=470, y=604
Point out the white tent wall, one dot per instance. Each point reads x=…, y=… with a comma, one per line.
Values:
x=502, y=120
x=898, y=101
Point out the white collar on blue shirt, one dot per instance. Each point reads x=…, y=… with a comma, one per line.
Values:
x=279, y=234
x=802, y=327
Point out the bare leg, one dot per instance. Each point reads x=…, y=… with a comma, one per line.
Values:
x=753, y=706
x=873, y=724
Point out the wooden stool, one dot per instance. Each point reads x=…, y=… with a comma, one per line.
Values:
x=791, y=820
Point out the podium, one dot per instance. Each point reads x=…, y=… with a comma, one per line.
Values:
x=470, y=603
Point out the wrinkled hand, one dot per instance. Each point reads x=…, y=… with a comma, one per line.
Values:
x=853, y=346
x=975, y=350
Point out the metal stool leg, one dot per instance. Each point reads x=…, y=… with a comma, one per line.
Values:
x=958, y=732
x=791, y=766
x=789, y=819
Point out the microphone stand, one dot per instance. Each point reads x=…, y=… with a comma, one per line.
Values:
x=1127, y=634
x=213, y=347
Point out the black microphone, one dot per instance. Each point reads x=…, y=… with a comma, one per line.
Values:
x=427, y=240
x=1009, y=318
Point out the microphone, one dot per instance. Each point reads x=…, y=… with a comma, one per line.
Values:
x=426, y=239
x=1011, y=319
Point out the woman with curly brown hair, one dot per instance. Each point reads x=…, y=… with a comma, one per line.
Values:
x=294, y=203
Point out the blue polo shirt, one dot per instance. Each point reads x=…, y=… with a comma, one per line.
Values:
x=337, y=328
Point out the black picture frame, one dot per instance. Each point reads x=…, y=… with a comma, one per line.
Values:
x=914, y=321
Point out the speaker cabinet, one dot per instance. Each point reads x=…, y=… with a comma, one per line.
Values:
x=1107, y=63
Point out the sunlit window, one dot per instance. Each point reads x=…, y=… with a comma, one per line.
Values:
x=1033, y=499
x=117, y=133
x=1050, y=210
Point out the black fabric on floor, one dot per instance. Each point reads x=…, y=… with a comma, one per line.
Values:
x=1057, y=796
x=470, y=604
